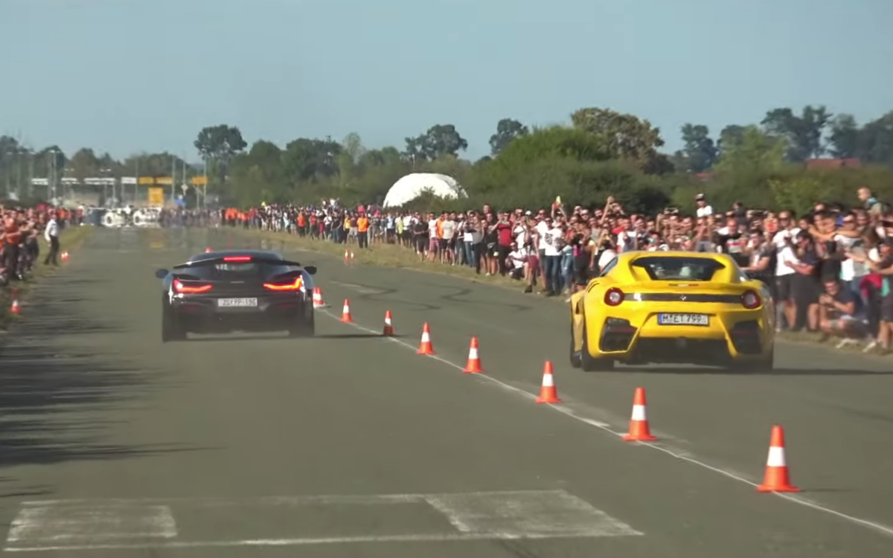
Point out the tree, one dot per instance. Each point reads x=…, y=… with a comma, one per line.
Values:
x=380, y=157
x=755, y=150
x=439, y=140
x=803, y=134
x=729, y=137
x=306, y=158
x=699, y=152
x=84, y=164
x=352, y=146
x=844, y=136
x=876, y=141
x=507, y=131
x=624, y=135
x=218, y=145
x=152, y=164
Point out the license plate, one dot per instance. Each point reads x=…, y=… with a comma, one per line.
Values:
x=236, y=302
x=684, y=319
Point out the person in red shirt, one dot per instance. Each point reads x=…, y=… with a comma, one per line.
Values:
x=503, y=241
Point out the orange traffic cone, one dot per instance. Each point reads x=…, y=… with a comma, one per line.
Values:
x=352, y=256
x=777, y=478
x=208, y=250
x=548, y=393
x=388, y=330
x=639, y=430
x=65, y=256
x=15, y=302
x=474, y=360
x=345, y=313
x=346, y=257
x=425, y=348
x=317, y=298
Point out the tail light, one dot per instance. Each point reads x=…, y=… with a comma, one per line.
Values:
x=298, y=283
x=613, y=297
x=751, y=300
x=190, y=289
x=237, y=259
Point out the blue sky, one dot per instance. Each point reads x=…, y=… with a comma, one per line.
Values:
x=131, y=75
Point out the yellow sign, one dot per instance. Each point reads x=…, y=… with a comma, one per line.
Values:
x=199, y=180
x=146, y=180
x=156, y=196
x=163, y=180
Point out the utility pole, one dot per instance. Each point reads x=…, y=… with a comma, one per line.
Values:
x=173, y=178
x=7, y=169
x=30, y=173
x=52, y=153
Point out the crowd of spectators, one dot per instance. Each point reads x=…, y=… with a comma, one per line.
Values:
x=22, y=231
x=829, y=270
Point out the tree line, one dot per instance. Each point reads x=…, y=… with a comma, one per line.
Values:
x=601, y=152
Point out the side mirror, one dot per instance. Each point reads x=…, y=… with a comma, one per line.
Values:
x=161, y=273
x=311, y=269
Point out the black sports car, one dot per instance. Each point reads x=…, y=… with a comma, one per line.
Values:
x=236, y=290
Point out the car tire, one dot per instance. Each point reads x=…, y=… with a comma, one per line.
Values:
x=305, y=329
x=170, y=328
x=768, y=362
x=576, y=359
x=588, y=362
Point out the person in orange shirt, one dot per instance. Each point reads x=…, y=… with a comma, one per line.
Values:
x=363, y=230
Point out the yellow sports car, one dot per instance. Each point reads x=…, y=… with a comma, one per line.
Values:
x=672, y=307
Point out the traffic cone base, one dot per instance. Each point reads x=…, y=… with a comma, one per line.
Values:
x=345, y=313
x=639, y=430
x=317, y=298
x=548, y=391
x=777, y=477
x=388, y=329
x=473, y=366
x=425, y=347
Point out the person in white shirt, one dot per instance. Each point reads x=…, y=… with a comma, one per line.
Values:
x=704, y=209
x=784, y=286
x=517, y=261
x=51, y=234
x=447, y=244
x=551, y=243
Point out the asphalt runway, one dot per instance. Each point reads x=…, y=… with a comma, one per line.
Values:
x=350, y=444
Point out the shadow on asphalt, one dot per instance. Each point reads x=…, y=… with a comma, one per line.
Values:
x=50, y=388
x=704, y=371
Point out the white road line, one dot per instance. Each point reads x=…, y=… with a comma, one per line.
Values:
x=546, y=513
x=678, y=454
x=91, y=523
x=69, y=525
x=324, y=500
x=445, y=537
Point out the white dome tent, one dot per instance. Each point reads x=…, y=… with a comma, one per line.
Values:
x=413, y=185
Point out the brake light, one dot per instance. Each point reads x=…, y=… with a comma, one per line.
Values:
x=751, y=300
x=613, y=297
x=286, y=287
x=190, y=289
x=237, y=259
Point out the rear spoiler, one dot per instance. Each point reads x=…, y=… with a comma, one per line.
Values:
x=229, y=259
x=311, y=269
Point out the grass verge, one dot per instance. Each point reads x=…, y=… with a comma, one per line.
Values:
x=402, y=258
x=71, y=238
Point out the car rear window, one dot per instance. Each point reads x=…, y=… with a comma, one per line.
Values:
x=678, y=268
x=234, y=271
